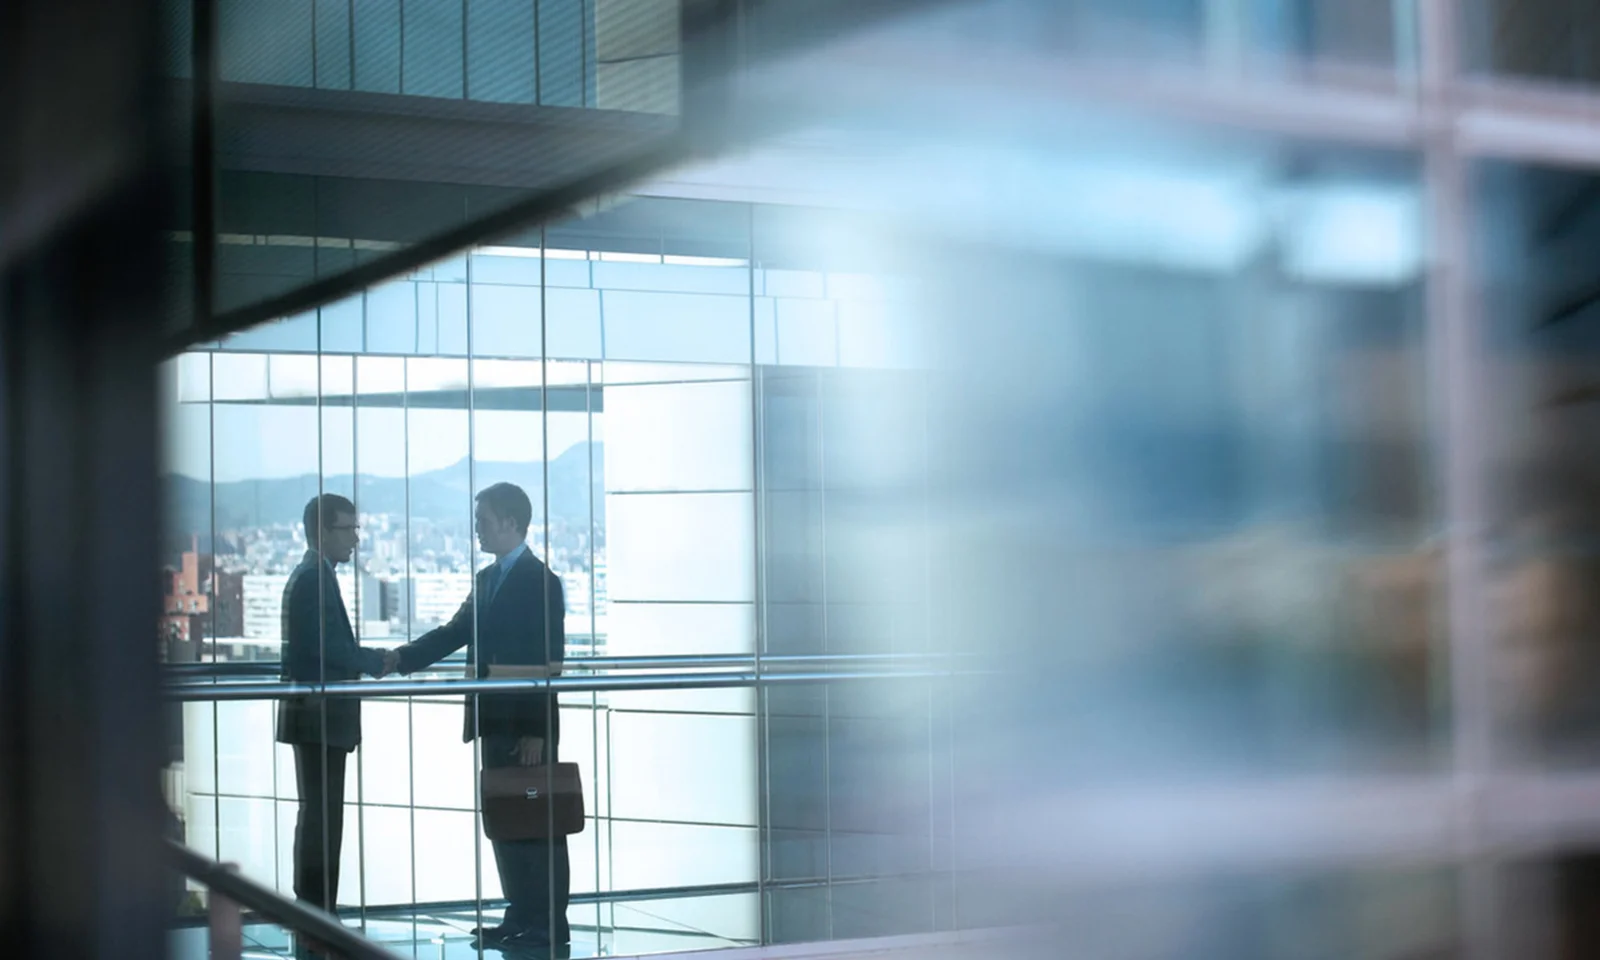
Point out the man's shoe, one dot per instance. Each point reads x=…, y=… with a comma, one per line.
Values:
x=490, y=938
x=532, y=945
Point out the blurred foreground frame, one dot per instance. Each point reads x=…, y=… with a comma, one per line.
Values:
x=81, y=871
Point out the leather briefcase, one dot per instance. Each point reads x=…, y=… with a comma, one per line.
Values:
x=532, y=803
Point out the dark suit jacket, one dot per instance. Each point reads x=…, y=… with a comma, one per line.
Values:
x=523, y=625
x=319, y=646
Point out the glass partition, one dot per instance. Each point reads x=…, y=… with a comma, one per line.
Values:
x=777, y=458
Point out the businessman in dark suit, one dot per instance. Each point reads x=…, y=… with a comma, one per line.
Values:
x=512, y=626
x=320, y=647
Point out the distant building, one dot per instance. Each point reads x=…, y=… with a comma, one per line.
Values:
x=263, y=605
x=263, y=601
x=437, y=596
x=198, y=601
x=575, y=592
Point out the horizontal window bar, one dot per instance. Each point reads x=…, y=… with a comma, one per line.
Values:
x=379, y=689
x=272, y=668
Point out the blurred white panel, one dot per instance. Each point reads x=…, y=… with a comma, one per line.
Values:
x=765, y=313
x=436, y=373
x=385, y=754
x=380, y=375
x=248, y=837
x=338, y=375
x=671, y=278
x=681, y=546
x=647, y=629
x=450, y=316
x=807, y=332
x=386, y=847
x=571, y=270
x=240, y=376
x=294, y=375
x=198, y=743
x=792, y=283
x=857, y=286
x=351, y=852
x=200, y=823
x=692, y=436
x=621, y=372
x=683, y=767
x=505, y=320
x=447, y=858
x=392, y=318
x=680, y=327
x=1352, y=233
x=287, y=812
x=245, y=738
x=443, y=771
x=731, y=917
x=882, y=334
x=338, y=436
x=512, y=265
x=578, y=745
x=192, y=376
x=647, y=855
x=733, y=701
x=341, y=326
x=487, y=374
x=572, y=323
x=589, y=855
x=283, y=763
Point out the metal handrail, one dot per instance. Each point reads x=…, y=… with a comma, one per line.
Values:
x=200, y=692
x=306, y=921
x=272, y=668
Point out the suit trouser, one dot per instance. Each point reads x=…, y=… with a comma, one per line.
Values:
x=319, y=828
x=536, y=875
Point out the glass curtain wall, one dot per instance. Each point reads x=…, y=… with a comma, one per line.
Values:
x=1240, y=431
x=667, y=382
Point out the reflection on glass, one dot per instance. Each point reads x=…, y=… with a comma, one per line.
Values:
x=1540, y=335
x=1549, y=40
x=1150, y=441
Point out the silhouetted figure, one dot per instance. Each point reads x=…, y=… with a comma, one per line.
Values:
x=514, y=618
x=320, y=647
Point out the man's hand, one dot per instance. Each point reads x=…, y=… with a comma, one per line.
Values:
x=529, y=750
x=391, y=662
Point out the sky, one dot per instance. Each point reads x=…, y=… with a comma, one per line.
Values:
x=262, y=442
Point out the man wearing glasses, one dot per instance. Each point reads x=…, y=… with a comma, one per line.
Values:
x=320, y=647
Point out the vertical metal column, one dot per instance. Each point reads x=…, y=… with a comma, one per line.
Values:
x=1457, y=375
x=81, y=744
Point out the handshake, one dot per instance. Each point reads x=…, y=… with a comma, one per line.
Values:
x=391, y=663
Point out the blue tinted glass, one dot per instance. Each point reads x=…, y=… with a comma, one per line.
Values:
x=332, y=41
x=432, y=48
x=265, y=41
x=564, y=52
x=500, y=51
x=377, y=40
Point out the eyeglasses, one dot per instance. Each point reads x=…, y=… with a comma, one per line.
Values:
x=346, y=526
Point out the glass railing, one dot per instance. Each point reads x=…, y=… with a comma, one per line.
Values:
x=227, y=916
x=700, y=777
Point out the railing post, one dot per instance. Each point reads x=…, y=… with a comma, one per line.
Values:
x=226, y=923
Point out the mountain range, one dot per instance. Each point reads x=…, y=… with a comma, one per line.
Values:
x=443, y=495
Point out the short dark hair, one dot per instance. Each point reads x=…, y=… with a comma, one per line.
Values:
x=321, y=511
x=508, y=501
